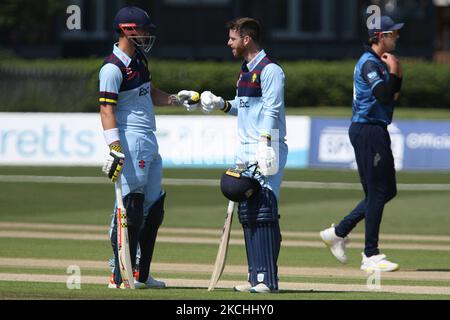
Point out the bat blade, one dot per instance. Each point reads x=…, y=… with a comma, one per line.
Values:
x=123, y=244
x=221, y=257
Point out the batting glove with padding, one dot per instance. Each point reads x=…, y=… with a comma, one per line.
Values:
x=210, y=102
x=114, y=162
x=186, y=98
x=267, y=159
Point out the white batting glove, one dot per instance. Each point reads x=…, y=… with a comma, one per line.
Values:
x=114, y=162
x=186, y=98
x=210, y=102
x=267, y=159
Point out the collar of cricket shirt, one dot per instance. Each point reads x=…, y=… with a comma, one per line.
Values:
x=370, y=50
x=257, y=59
x=121, y=55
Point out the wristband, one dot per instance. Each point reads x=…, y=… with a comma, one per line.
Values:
x=111, y=135
x=226, y=106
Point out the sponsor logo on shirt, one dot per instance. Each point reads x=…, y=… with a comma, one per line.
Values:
x=144, y=91
x=372, y=75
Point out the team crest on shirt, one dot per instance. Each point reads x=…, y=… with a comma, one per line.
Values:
x=128, y=71
x=254, y=76
x=142, y=164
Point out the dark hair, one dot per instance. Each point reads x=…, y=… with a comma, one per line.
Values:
x=246, y=27
x=374, y=40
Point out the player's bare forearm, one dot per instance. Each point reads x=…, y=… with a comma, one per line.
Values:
x=159, y=97
x=107, y=117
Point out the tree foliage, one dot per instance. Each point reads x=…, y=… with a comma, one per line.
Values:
x=28, y=21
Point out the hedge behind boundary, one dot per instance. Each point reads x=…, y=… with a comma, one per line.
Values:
x=72, y=85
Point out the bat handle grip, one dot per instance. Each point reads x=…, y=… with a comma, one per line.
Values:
x=231, y=206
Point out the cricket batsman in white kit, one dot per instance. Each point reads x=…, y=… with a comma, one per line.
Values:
x=127, y=100
x=260, y=111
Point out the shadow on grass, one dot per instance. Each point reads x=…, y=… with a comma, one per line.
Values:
x=432, y=270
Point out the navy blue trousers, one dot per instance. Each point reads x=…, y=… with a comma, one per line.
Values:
x=372, y=145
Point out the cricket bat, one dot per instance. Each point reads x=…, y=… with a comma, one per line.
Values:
x=223, y=248
x=123, y=243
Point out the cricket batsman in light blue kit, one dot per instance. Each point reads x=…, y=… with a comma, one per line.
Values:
x=127, y=100
x=259, y=107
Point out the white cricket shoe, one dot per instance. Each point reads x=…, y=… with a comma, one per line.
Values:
x=112, y=284
x=262, y=288
x=378, y=263
x=149, y=284
x=334, y=243
x=243, y=287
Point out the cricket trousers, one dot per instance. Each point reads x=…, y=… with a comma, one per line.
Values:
x=372, y=146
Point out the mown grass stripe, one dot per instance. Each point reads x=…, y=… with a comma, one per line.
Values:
x=237, y=277
x=230, y=269
x=199, y=283
x=206, y=231
x=215, y=183
x=204, y=240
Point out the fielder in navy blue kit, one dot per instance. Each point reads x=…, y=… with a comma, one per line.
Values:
x=259, y=107
x=377, y=83
x=127, y=99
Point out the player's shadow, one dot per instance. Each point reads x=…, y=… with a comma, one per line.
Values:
x=432, y=270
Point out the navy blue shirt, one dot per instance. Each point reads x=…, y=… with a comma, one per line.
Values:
x=369, y=72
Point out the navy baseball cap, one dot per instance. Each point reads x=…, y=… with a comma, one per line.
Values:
x=386, y=24
x=132, y=15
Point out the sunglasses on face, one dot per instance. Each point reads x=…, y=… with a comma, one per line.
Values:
x=393, y=33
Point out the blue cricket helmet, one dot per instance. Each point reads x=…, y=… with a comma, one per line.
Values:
x=237, y=187
x=130, y=20
x=132, y=15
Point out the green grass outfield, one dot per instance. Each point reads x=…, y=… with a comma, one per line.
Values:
x=44, y=226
